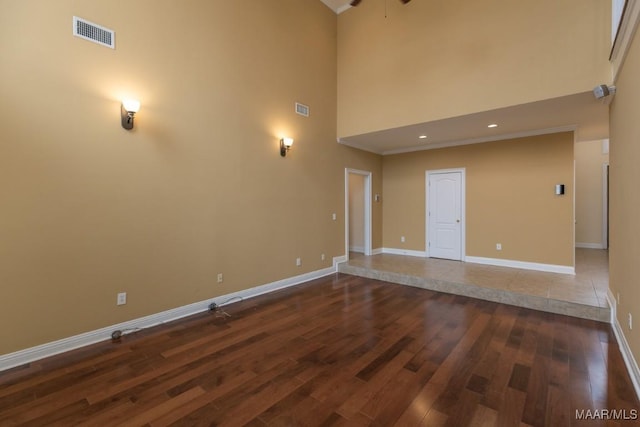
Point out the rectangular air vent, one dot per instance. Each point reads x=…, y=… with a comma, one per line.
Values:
x=302, y=109
x=93, y=32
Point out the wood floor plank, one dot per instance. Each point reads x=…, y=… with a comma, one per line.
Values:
x=341, y=351
x=150, y=412
x=537, y=389
x=311, y=411
x=434, y=419
x=510, y=412
x=391, y=401
x=360, y=397
x=484, y=417
x=421, y=405
x=61, y=414
x=63, y=397
x=202, y=400
x=14, y=381
x=558, y=407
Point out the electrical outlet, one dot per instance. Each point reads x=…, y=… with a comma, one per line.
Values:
x=220, y=278
x=498, y=246
x=122, y=298
x=618, y=298
x=333, y=216
x=402, y=239
x=630, y=321
x=298, y=262
x=322, y=257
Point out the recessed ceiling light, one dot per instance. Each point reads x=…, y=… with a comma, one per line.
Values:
x=492, y=125
x=423, y=137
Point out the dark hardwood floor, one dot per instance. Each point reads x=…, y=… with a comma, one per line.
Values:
x=342, y=351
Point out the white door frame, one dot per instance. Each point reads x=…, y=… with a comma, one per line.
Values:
x=463, y=208
x=605, y=208
x=575, y=220
x=367, y=209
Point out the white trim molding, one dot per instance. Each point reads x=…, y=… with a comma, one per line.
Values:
x=363, y=147
x=590, y=245
x=480, y=140
x=445, y=144
x=377, y=251
x=407, y=252
x=549, y=268
x=625, y=350
x=605, y=205
x=627, y=29
x=339, y=260
x=368, y=231
x=613, y=304
x=28, y=355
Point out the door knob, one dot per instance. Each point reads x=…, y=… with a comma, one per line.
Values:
x=457, y=220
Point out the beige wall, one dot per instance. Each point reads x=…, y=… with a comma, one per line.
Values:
x=430, y=60
x=624, y=239
x=356, y=212
x=589, y=193
x=509, y=198
x=197, y=188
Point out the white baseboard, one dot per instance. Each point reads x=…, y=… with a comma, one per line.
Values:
x=28, y=355
x=339, y=260
x=550, y=268
x=407, y=252
x=589, y=245
x=613, y=304
x=627, y=355
x=492, y=261
x=377, y=251
x=359, y=249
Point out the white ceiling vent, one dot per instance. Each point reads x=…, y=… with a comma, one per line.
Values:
x=93, y=32
x=302, y=109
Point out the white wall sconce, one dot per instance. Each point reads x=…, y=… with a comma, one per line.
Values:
x=285, y=145
x=128, y=110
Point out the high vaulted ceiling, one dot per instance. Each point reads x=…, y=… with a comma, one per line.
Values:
x=582, y=113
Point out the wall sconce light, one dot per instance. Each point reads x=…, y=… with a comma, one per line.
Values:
x=128, y=110
x=285, y=145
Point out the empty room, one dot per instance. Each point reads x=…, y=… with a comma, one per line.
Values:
x=319, y=212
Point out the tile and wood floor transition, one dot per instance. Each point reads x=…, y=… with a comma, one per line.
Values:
x=344, y=351
x=581, y=295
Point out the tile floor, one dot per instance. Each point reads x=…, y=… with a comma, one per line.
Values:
x=582, y=295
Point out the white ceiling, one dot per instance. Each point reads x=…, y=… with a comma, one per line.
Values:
x=582, y=113
x=337, y=5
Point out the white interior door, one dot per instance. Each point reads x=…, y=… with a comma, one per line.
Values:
x=445, y=221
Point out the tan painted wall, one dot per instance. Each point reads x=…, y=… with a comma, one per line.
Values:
x=509, y=198
x=197, y=188
x=589, y=188
x=624, y=239
x=430, y=60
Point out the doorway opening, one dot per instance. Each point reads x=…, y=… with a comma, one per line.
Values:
x=357, y=205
